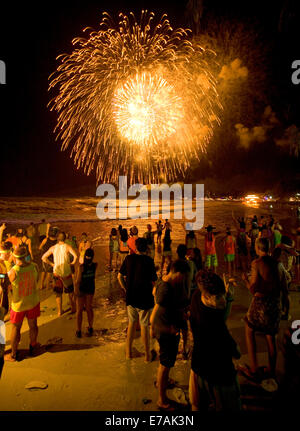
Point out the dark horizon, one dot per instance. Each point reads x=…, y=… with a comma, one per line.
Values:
x=32, y=38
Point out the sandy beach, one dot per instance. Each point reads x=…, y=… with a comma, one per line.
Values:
x=92, y=374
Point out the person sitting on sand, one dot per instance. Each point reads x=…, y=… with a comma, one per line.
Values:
x=62, y=270
x=25, y=301
x=84, y=291
x=213, y=376
x=137, y=276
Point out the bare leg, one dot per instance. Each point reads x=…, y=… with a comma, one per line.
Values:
x=48, y=279
x=184, y=338
x=162, y=383
x=42, y=279
x=89, y=310
x=79, y=310
x=229, y=269
x=15, y=337
x=146, y=341
x=72, y=302
x=33, y=331
x=59, y=304
x=251, y=346
x=162, y=264
x=130, y=337
x=272, y=351
x=194, y=391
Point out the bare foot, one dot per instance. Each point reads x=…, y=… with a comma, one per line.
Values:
x=10, y=358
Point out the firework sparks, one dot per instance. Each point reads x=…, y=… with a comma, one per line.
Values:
x=135, y=99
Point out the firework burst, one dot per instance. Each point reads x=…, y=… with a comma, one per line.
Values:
x=135, y=99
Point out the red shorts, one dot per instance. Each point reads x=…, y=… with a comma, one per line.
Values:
x=18, y=316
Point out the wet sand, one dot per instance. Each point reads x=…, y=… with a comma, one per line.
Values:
x=92, y=373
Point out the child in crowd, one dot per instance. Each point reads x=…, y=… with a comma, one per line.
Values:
x=113, y=249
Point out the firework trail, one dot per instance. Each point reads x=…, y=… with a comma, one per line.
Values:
x=135, y=99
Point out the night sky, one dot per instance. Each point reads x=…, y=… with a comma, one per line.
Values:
x=33, y=36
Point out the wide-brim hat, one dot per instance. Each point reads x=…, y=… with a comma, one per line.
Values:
x=210, y=227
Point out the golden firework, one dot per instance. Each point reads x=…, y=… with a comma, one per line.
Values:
x=135, y=99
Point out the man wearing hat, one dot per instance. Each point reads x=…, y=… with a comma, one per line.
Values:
x=25, y=301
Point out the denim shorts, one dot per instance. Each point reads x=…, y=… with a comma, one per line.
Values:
x=135, y=314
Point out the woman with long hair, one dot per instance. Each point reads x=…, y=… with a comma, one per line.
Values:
x=84, y=291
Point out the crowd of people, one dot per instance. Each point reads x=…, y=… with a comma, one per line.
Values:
x=183, y=294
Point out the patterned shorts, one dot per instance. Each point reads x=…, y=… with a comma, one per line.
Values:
x=264, y=314
x=211, y=260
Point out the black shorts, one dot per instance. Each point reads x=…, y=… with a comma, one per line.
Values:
x=168, y=349
x=59, y=287
x=86, y=292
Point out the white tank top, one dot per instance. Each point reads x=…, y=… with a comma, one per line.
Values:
x=61, y=260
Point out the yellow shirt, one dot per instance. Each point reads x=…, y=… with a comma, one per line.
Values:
x=2, y=346
x=3, y=268
x=25, y=294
